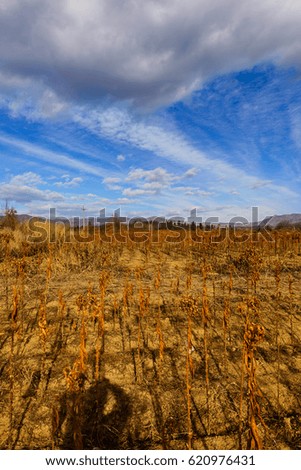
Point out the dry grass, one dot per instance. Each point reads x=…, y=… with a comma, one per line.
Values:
x=153, y=345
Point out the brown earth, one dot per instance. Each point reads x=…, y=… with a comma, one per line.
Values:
x=149, y=345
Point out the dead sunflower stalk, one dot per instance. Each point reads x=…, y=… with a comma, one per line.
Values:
x=253, y=334
x=206, y=323
x=14, y=330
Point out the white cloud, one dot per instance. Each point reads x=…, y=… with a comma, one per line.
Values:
x=190, y=173
x=159, y=181
x=111, y=179
x=137, y=192
x=30, y=98
x=154, y=186
x=171, y=145
x=117, y=124
x=58, y=62
x=29, y=178
x=110, y=183
x=71, y=183
x=150, y=182
x=261, y=184
x=156, y=175
x=23, y=189
x=122, y=201
x=23, y=193
x=52, y=157
x=198, y=192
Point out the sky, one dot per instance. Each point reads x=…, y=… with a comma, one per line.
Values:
x=154, y=107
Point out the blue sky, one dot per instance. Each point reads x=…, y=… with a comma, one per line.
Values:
x=150, y=109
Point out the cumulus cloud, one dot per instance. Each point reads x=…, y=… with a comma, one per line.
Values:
x=22, y=189
x=153, y=181
x=69, y=182
x=29, y=179
x=111, y=179
x=150, y=182
x=137, y=192
x=196, y=192
x=111, y=183
x=159, y=175
x=149, y=53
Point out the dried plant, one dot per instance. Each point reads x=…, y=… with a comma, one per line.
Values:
x=206, y=323
x=182, y=334
x=43, y=332
x=189, y=305
x=291, y=312
x=14, y=330
x=75, y=381
x=277, y=327
x=189, y=377
x=253, y=334
x=161, y=343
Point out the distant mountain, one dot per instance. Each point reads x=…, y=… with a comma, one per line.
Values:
x=276, y=221
x=155, y=218
x=24, y=217
x=20, y=217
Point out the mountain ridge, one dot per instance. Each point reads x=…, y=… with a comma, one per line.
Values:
x=273, y=221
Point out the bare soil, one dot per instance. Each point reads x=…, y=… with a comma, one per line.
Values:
x=96, y=350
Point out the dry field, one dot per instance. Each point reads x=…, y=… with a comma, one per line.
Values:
x=161, y=344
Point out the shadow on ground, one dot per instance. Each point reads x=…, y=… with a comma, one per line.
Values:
x=94, y=419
